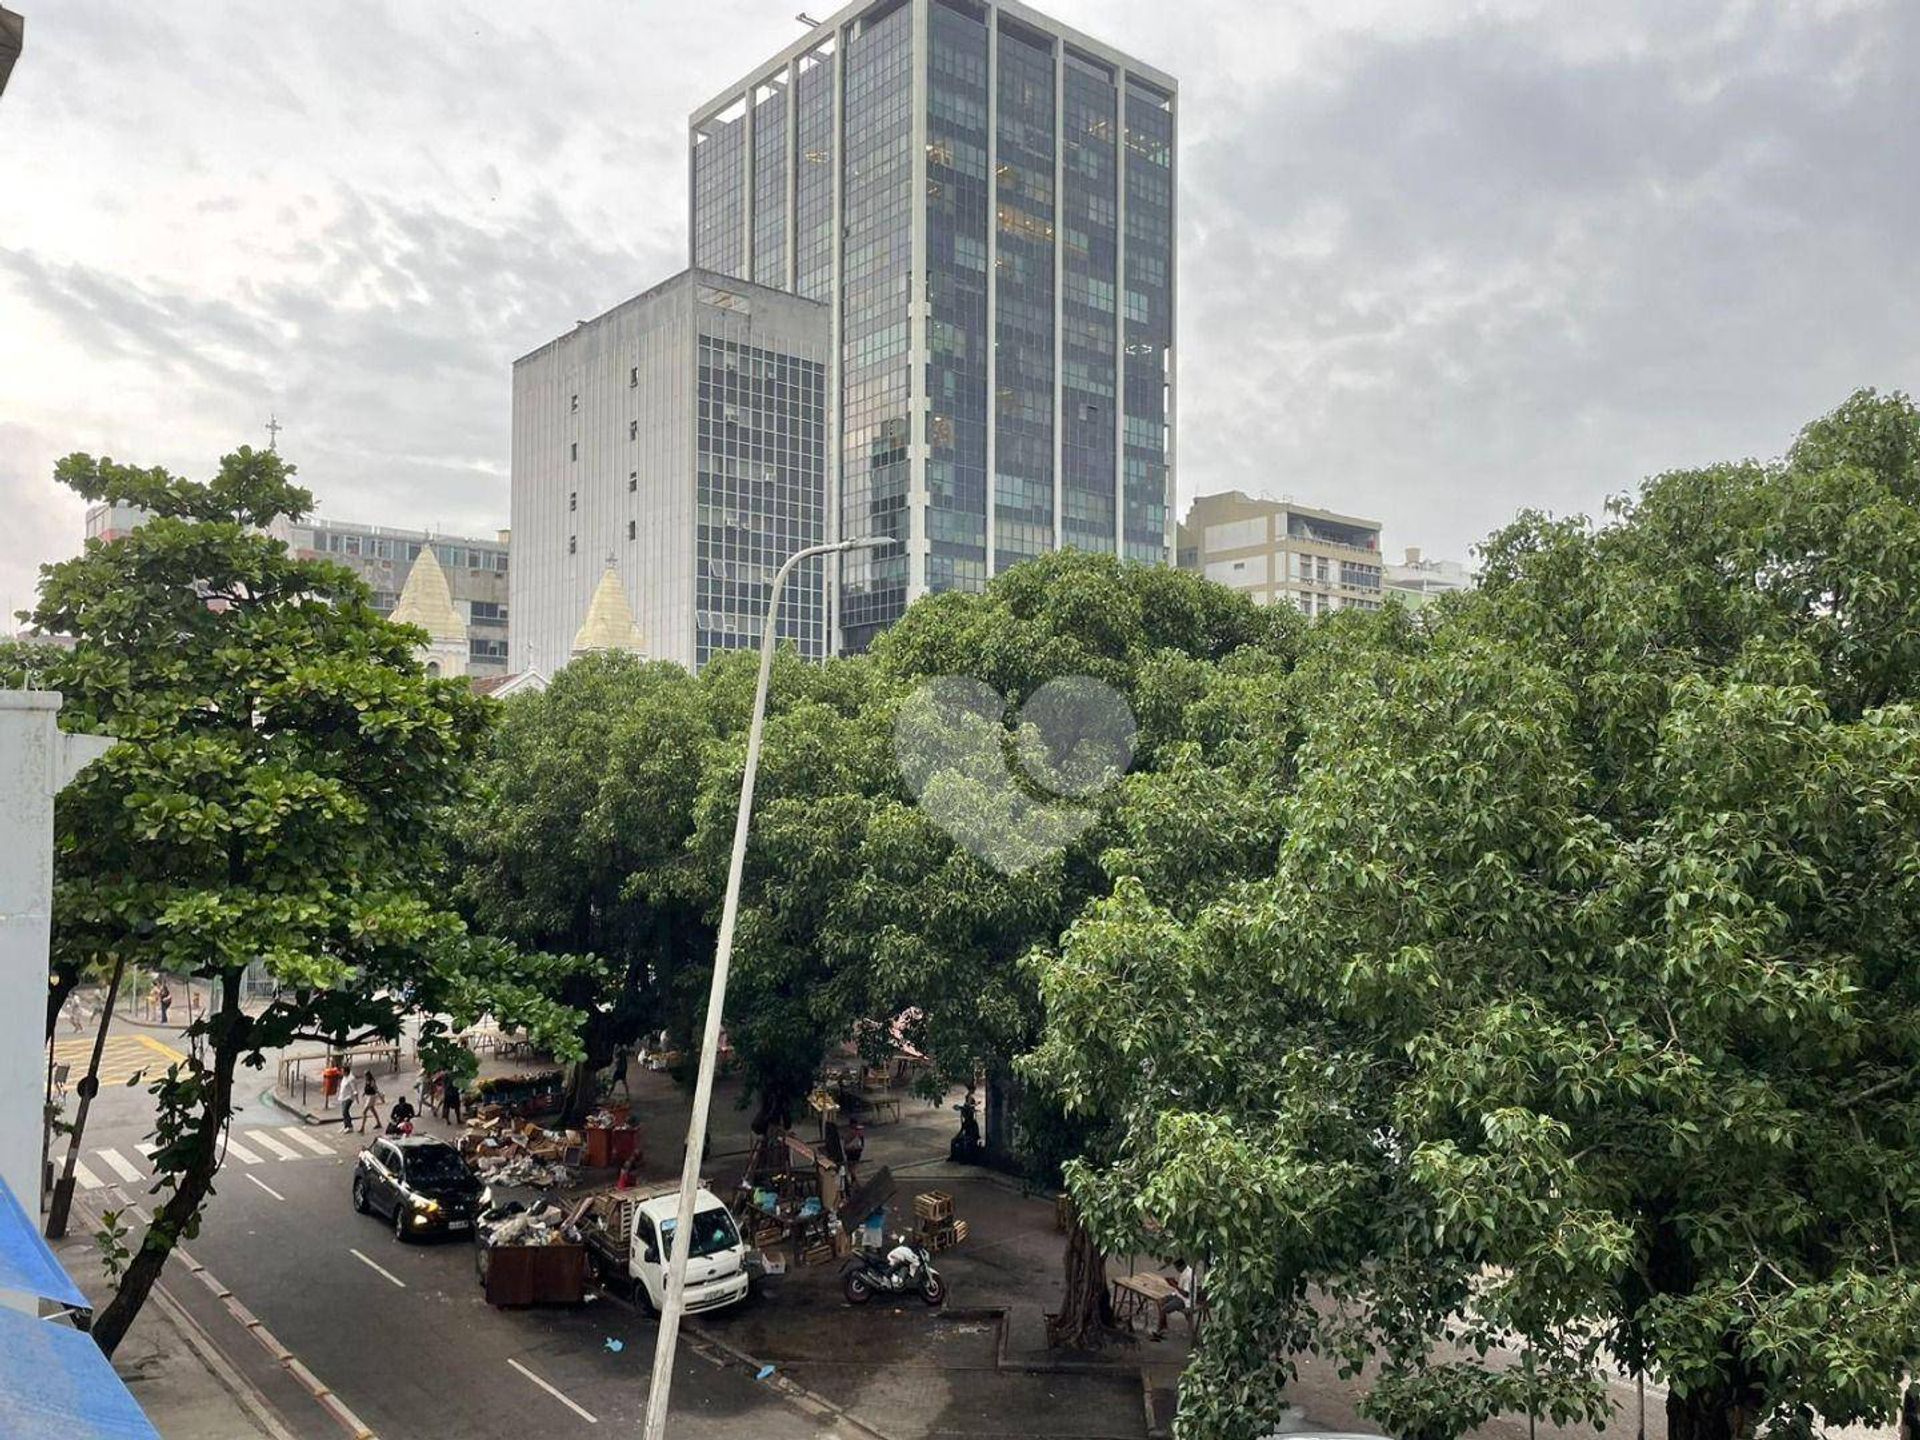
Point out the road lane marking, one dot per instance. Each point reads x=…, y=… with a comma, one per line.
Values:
x=88, y=1180
x=268, y=1188
x=166, y=1051
x=378, y=1270
x=278, y=1147
x=120, y=1166
x=241, y=1153
x=294, y=1132
x=583, y=1414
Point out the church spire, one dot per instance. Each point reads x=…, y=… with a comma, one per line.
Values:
x=609, y=624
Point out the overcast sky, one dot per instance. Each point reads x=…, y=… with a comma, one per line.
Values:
x=1439, y=260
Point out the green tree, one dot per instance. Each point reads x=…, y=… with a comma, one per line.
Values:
x=1574, y=1018
x=575, y=841
x=277, y=796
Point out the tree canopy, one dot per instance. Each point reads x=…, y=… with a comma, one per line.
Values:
x=1572, y=1017
x=277, y=799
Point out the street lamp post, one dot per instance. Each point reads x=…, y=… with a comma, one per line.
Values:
x=661, y=1382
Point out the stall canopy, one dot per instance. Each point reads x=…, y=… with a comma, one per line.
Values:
x=26, y=1264
x=54, y=1382
x=56, y=1385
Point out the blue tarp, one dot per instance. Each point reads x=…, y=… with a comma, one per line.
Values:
x=56, y=1385
x=26, y=1264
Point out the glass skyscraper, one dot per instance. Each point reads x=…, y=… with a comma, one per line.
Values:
x=984, y=199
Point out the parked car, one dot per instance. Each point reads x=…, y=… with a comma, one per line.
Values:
x=419, y=1183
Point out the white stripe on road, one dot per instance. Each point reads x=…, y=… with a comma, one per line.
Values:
x=88, y=1180
x=268, y=1188
x=388, y=1273
x=294, y=1132
x=118, y=1163
x=284, y=1151
x=147, y=1148
x=241, y=1153
x=583, y=1414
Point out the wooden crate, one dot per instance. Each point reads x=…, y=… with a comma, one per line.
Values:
x=933, y=1205
x=943, y=1235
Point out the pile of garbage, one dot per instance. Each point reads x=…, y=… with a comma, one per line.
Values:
x=524, y=1170
x=505, y=1153
x=545, y=1223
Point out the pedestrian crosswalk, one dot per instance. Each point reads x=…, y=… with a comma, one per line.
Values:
x=123, y=1058
x=260, y=1145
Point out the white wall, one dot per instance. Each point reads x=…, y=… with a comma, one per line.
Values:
x=36, y=761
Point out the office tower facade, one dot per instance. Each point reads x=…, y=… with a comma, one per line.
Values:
x=1278, y=552
x=983, y=199
x=676, y=443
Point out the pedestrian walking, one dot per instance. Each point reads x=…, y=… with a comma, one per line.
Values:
x=370, y=1103
x=346, y=1100
x=163, y=997
x=450, y=1099
x=619, y=1076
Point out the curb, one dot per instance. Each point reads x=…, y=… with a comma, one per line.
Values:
x=305, y=1117
x=202, y=1344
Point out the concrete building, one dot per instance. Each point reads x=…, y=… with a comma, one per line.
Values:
x=1280, y=552
x=110, y=522
x=37, y=759
x=474, y=571
x=1419, y=581
x=668, y=456
x=1020, y=397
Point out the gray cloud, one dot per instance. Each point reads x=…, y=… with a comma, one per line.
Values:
x=1435, y=265
x=1474, y=275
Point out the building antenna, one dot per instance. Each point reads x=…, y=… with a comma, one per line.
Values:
x=274, y=427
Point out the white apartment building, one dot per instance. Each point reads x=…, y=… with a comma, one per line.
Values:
x=1419, y=581
x=1277, y=551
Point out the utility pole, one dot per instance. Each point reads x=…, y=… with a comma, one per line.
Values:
x=89, y=1087
x=673, y=1304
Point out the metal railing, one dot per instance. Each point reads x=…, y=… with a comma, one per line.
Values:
x=301, y=1072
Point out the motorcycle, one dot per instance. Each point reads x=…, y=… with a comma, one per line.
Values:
x=905, y=1269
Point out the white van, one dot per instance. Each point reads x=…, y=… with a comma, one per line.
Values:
x=624, y=1234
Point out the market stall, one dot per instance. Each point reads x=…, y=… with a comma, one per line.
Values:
x=788, y=1202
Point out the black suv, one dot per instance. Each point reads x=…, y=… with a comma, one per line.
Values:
x=421, y=1183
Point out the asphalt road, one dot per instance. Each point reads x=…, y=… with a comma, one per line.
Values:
x=400, y=1332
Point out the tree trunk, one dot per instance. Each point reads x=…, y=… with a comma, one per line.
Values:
x=229, y=1035
x=1725, y=1412
x=999, y=1127
x=1084, y=1319
x=580, y=1096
